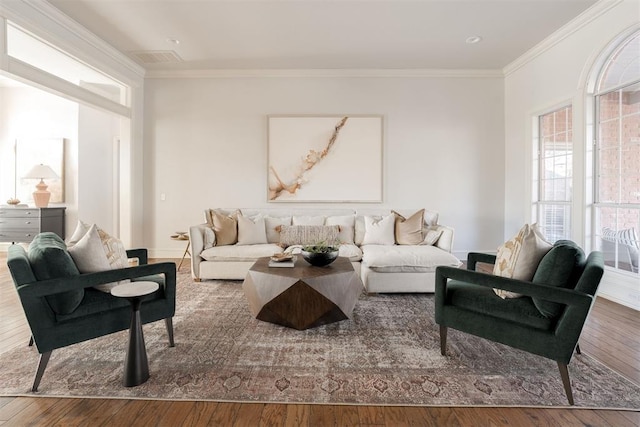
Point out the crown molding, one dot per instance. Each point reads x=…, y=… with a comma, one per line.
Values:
x=48, y=22
x=322, y=73
x=586, y=17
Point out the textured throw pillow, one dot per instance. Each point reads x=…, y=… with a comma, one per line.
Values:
x=225, y=227
x=518, y=258
x=308, y=234
x=347, y=227
x=251, y=232
x=379, y=232
x=273, y=226
x=98, y=251
x=408, y=231
x=556, y=269
x=49, y=259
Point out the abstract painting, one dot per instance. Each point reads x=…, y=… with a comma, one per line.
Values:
x=325, y=158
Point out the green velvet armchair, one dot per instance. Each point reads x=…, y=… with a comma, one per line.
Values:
x=61, y=306
x=546, y=321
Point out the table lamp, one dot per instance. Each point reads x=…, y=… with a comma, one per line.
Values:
x=41, y=196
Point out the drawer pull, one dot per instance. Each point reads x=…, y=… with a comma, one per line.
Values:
x=27, y=222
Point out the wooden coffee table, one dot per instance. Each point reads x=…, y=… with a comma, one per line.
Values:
x=304, y=296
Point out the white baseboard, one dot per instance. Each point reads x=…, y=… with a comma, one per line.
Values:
x=166, y=253
x=622, y=288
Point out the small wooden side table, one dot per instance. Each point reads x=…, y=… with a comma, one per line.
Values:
x=182, y=237
x=136, y=367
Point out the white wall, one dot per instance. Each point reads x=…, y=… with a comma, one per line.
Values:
x=206, y=145
x=557, y=76
x=97, y=197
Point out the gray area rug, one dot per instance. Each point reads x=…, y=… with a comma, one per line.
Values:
x=387, y=355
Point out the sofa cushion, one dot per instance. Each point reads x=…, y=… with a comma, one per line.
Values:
x=556, y=269
x=309, y=234
x=350, y=251
x=427, y=257
x=518, y=258
x=240, y=253
x=379, y=231
x=408, y=231
x=251, y=231
x=482, y=300
x=49, y=259
x=307, y=220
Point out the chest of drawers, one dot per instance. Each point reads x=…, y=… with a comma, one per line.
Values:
x=21, y=224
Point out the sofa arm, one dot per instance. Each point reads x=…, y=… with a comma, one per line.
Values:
x=445, y=242
x=196, y=241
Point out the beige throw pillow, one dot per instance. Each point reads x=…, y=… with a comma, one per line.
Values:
x=408, y=231
x=519, y=257
x=225, y=227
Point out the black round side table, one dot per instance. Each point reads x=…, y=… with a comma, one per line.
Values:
x=136, y=368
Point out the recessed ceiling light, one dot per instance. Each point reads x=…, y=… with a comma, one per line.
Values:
x=173, y=41
x=473, y=40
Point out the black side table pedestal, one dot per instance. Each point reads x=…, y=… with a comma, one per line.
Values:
x=136, y=368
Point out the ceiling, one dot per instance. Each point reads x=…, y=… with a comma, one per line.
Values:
x=324, y=34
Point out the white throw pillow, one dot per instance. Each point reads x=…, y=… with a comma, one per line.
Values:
x=518, y=258
x=347, y=226
x=379, y=232
x=307, y=220
x=209, y=237
x=80, y=231
x=251, y=232
x=274, y=225
x=98, y=251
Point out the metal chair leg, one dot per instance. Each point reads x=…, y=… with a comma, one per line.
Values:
x=42, y=365
x=443, y=340
x=169, y=324
x=564, y=373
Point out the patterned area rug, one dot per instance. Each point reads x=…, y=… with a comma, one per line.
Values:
x=388, y=355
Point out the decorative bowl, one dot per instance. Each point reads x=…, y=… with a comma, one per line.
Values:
x=320, y=259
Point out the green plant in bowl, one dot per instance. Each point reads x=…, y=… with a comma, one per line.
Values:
x=320, y=254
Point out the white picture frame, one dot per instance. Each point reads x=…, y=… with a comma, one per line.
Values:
x=332, y=158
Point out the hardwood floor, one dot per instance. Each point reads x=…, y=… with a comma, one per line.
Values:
x=611, y=336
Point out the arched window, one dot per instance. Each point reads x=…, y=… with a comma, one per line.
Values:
x=617, y=157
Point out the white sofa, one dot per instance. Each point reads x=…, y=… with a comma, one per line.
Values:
x=383, y=268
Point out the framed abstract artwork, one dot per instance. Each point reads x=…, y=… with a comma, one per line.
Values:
x=31, y=152
x=325, y=158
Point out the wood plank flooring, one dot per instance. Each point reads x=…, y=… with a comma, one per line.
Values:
x=611, y=336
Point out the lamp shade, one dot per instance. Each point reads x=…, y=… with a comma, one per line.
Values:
x=41, y=172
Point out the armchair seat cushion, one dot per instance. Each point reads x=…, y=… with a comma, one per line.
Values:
x=483, y=300
x=99, y=302
x=49, y=259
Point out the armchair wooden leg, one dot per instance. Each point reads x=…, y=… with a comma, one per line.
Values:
x=578, y=349
x=42, y=365
x=169, y=324
x=443, y=340
x=564, y=373
x=31, y=341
